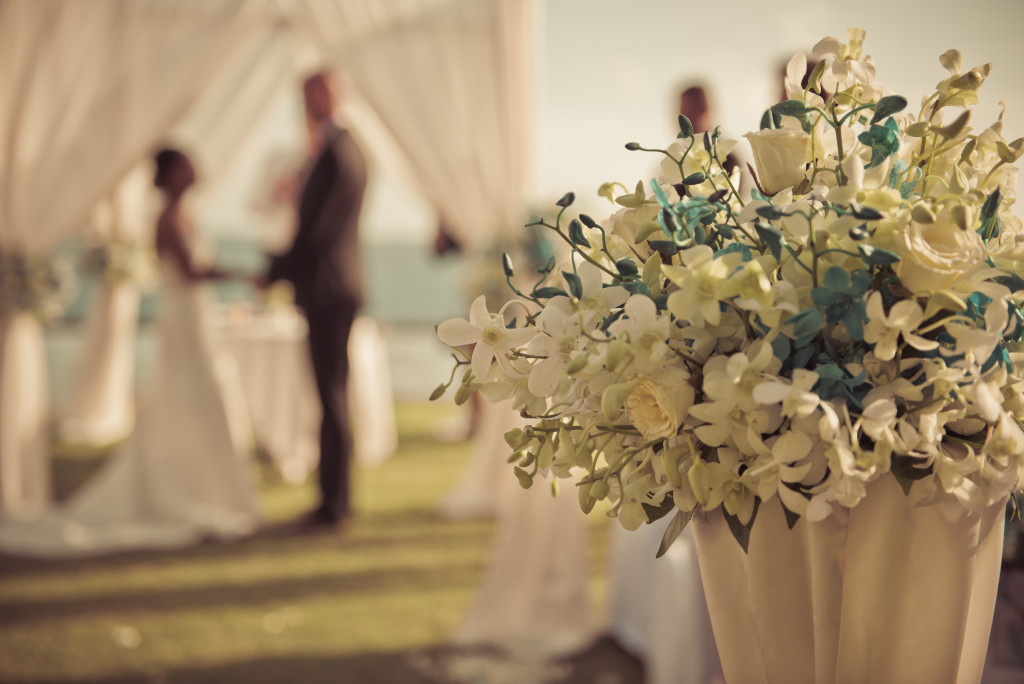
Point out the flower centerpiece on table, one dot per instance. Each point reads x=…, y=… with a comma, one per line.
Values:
x=860, y=317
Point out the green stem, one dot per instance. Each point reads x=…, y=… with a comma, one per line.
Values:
x=839, y=144
x=575, y=248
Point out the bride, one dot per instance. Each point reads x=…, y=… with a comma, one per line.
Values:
x=184, y=474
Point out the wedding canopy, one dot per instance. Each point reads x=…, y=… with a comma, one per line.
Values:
x=87, y=90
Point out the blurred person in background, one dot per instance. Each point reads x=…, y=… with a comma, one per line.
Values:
x=323, y=266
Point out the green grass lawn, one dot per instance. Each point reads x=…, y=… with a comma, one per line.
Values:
x=281, y=606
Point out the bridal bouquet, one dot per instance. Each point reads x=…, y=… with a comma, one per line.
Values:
x=859, y=317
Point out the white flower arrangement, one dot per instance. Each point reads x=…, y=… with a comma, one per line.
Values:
x=42, y=286
x=859, y=317
x=119, y=261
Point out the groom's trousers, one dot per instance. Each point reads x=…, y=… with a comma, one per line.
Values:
x=329, y=328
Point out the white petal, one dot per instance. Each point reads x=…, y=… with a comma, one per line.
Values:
x=517, y=337
x=827, y=46
x=481, y=361
x=457, y=332
x=771, y=392
x=642, y=310
x=545, y=376
x=478, y=313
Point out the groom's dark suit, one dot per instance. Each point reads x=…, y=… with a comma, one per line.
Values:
x=323, y=265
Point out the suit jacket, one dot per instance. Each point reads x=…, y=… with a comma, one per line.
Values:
x=323, y=262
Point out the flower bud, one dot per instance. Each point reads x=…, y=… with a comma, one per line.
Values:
x=576, y=364
x=922, y=213
x=515, y=438
x=618, y=351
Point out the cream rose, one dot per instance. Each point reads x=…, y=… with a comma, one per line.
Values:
x=780, y=155
x=936, y=255
x=657, y=410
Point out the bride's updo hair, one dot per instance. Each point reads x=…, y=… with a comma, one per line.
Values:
x=166, y=159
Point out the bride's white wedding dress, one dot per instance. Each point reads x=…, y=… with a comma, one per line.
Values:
x=183, y=475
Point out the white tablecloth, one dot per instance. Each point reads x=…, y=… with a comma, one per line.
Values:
x=273, y=361
x=658, y=611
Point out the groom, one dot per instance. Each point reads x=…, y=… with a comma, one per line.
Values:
x=323, y=266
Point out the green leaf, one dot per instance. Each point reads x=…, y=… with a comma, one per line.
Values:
x=660, y=511
x=685, y=127
x=794, y=108
x=953, y=129
x=740, y=531
x=672, y=532
x=867, y=213
x=769, y=212
x=836, y=279
x=735, y=247
x=791, y=517
x=876, y=256
x=668, y=225
x=575, y=286
x=664, y=247
x=1010, y=280
x=807, y=323
x=772, y=238
x=906, y=470
x=506, y=265
x=549, y=293
x=887, y=106
x=695, y=178
x=576, y=234
x=626, y=267
x=637, y=287
x=988, y=209
x=660, y=195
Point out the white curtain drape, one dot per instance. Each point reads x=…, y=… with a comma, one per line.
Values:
x=86, y=89
x=100, y=408
x=450, y=86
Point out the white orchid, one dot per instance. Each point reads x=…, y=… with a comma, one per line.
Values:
x=884, y=330
x=488, y=332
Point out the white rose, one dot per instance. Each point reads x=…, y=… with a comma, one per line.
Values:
x=936, y=255
x=780, y=155
x=656, y=410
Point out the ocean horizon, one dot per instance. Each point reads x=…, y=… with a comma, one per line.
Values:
x=409, y=291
